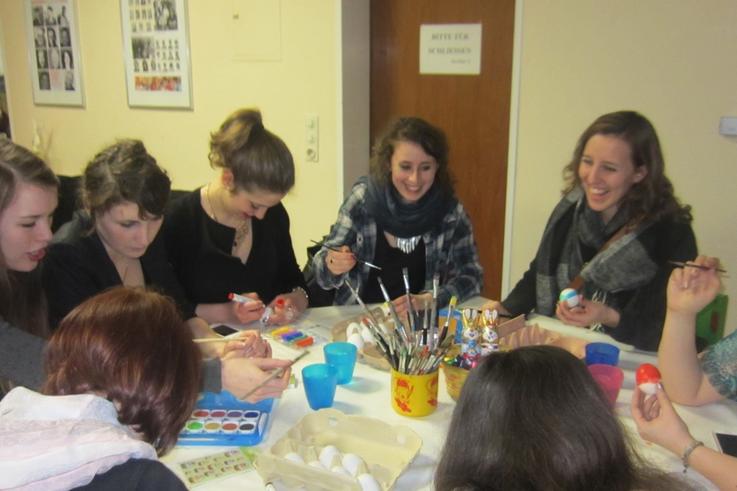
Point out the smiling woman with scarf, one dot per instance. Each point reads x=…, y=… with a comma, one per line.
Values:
x=611, y=236
x=405, y=214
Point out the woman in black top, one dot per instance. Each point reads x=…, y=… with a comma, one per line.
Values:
x=232, y=236
x=612, y=236
x=114, y=240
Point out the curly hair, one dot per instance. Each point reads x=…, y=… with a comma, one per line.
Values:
x=121, y=172
x=131, y=346
x=414, y=130
x=652, y=198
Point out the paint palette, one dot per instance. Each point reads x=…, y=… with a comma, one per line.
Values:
x=296, y=338
x=221, y=419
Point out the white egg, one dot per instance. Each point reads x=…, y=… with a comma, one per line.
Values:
x=368, y=482
x=340, y=470
x=328, y=454
x=368, y=338
x=294, y=457
x=356, y=340
x=353, y=328
x=353, y=463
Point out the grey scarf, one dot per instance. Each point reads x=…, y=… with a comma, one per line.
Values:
x=623, y=265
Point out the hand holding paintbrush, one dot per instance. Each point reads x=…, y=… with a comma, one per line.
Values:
x=342, y=260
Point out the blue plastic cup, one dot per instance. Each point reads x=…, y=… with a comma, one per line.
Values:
x=342, y=356
x=602, y=354
x=319, y=380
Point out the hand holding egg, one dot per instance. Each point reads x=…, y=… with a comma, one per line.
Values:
x=647, y=378
x=570, y=297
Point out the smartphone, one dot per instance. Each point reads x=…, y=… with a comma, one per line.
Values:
x=224, y=330
x=727, y=443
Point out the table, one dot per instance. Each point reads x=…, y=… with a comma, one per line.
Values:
x=368, y=395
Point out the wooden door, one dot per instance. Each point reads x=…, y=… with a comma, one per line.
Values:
x=473, y=110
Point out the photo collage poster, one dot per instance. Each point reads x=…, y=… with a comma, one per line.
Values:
x=156, y=53
x=54, y=49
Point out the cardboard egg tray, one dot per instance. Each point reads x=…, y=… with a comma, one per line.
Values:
x=386, y=450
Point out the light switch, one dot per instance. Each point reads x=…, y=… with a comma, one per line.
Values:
x=312, y=138
x=728, y=126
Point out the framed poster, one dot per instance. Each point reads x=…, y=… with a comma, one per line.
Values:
x=156, y=53
x=53, y=41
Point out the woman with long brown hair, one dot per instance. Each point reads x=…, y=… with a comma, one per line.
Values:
x=612, y=236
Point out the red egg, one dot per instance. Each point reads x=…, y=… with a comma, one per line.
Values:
x=647, y=378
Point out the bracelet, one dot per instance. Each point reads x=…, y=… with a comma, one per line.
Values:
x=303, y=292
x=687, y=453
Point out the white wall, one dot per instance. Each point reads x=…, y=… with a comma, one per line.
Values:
x=675, y=62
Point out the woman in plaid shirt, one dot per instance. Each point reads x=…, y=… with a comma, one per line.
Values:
x=403, y=215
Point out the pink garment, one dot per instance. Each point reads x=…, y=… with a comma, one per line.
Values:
x=61, y=442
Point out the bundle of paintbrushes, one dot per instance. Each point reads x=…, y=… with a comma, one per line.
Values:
x=414, y=347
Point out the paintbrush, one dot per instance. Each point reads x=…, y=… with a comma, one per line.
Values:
x=681, y=264
x=408, y=295
x=451, y=308
x=275, y=373
x=398, y=326
x=335, y=249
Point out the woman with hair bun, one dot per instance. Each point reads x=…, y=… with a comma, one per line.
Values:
x=232, y=235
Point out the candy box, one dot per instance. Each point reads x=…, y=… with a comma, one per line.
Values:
x=324, y=439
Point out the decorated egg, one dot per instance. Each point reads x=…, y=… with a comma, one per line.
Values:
x=570, y=297
x=647, y=378
x=368, y=482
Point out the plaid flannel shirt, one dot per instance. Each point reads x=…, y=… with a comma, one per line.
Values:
x=450, y=250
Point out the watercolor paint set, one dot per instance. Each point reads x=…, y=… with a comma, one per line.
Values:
x=296, y=338
x=221, y=419
x=216, y=466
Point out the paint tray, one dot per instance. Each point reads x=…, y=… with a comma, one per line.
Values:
x=222, y=419
x=386, y=451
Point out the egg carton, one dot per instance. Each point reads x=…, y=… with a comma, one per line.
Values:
x=329, y=450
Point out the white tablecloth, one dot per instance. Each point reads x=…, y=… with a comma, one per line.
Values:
x=368, y=395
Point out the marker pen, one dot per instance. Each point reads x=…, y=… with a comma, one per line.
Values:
x=234, y=297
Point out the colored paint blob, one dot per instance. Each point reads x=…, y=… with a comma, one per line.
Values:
x=201, y=413
x=218, y=413
x=212, y=426
x=235, y=414
x=230, y=426
x=194, y=426
x=247, y=427
x=251, y=414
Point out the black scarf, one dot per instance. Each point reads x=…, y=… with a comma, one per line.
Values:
x=402, y=219
x=624, y=265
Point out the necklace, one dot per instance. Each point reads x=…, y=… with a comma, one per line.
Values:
x=408, y=245
x=242, y=230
